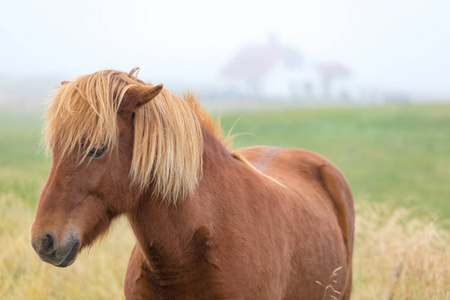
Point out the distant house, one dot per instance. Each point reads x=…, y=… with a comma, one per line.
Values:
x=335, y=81
x=274, y=71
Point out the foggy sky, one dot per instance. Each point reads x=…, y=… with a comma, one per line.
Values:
x=393, y=44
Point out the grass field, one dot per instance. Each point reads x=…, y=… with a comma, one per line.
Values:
x=396, y=159
x=396, y=155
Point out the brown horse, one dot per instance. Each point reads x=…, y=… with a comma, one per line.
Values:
x=258, y=223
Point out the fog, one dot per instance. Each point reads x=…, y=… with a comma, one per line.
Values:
x=393, y=50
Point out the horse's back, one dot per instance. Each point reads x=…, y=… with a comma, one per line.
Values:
x=321, y=188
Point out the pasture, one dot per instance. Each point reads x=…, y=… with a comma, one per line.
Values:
x=395, y=158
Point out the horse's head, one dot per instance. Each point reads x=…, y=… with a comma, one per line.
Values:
x=90, y=130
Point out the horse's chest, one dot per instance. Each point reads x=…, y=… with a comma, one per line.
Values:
x=190, y=275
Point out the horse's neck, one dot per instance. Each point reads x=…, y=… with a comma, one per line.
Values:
x=166, y=230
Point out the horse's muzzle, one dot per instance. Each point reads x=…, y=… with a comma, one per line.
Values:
x=58, y=253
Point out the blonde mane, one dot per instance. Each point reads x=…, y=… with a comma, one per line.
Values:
x=168, y=140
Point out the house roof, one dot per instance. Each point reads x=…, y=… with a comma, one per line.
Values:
x=254, y=61
x=333, y=70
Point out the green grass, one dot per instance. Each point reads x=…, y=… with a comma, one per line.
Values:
x=398, y=155
x=23, y=165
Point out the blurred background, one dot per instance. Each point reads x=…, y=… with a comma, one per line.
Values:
x=364, y=83
x=301, y=52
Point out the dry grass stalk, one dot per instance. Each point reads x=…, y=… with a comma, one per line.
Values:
x=329, y=286
x=390, y=290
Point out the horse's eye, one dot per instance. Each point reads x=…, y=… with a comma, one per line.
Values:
x=97, y=152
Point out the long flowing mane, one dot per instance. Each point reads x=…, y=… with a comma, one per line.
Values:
x=168, y=139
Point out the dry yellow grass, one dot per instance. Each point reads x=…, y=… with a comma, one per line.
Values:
x=384, y=239
x=389, y=242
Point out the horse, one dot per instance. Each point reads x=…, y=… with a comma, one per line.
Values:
x=210, y=222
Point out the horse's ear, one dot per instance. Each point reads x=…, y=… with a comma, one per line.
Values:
x=140, y=95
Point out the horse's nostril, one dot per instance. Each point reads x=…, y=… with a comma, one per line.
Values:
x=48, y=244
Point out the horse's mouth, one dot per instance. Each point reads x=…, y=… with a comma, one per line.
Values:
x=58, y=257
x=71, y=256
